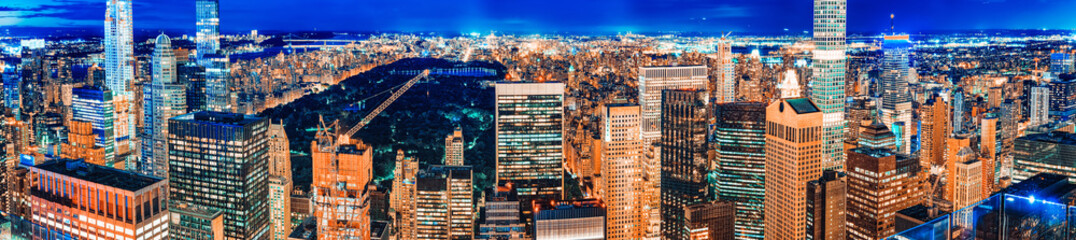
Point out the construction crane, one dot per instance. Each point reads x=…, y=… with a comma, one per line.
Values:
x=369, y=117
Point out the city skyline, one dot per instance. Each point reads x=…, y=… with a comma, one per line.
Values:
x=604, y=16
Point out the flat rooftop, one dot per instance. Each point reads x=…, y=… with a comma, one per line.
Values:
x=210, y=117
x=107, y=176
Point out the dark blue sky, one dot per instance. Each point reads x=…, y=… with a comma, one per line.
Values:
x=760, y=16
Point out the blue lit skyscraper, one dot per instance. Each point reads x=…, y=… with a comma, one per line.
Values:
x=217, y=96
x=119, y=47
x=208, y=36
x=12, y=94
x=896, y=98
x=739, y=134
x=166, y=99
x=827, y=85
x=958, y=110
x=93, y=104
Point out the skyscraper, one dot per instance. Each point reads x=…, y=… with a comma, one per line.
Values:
x=82, y=144
x=569, y=220
x=739, y=134
x=119, y=47
x=827, y=204
x=339, y=190
x=403, y=197
x=881, y=183
x=1061, y=63
x=1040, y=106
x=219, y=160
x=622, y=170
x=896, y=97
x=208, y=36
x=93, y=104
x=1044, y=153
x=725, y=89
x=958, y=111
x=684, y=162
x=167, y=99
x=935, y=124
x=653, y=80
x=217, y=94
x=280, y=184
x=710, y=220
x=1063, y=99
x=454, y=148
x=444, y=203
x=827, y=87
x=530, y=135
x=793, y=157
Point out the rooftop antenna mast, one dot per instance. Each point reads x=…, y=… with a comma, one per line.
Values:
x=892, y=29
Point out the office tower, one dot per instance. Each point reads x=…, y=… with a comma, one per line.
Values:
x=501, y=217
x=404, y=195
x=569, y=220
x=1061, y=63
x=219, y=160
x=793, y=157
x=874, y=134
x=684, y=162
x=529, y=139
x=958, y=111
x=896, y=97
x=880, y=183
x=194, y=222
x=82, y=144
x=725, y=89
x=622, y=171
x=217, y=95
x=1040, y=106
x=654, y=80
x=740, y=136
x=710, y=220
x=790, y=86
x=208, y=36
x=827, y=86
x=167, y=99
x=93, y=104
x=339, y=190
x=454, y=148
x=280, y=183
x=827, y=204
x=988, y=150
x=1063, y=99
x=192, y=76
x=1044, y=153
x=444, y=203
x=934, y=115
x=74, y=199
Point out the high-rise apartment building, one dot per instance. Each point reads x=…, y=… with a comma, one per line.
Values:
x=119, y=74
x=219, y=160
x=93, y=104
x=880, y=183
x=74, y=199
x=654, y=80
x=739, y=134
x=208, y=36
x=622, y=171
x=827, y=204
x=827, y=87
x=1040, y=106
x=280, y=184
x=404, y=193
x=339, y=191
x=896, y=97
x=934, y=115
x=167, y=99
x=794, y=156
x=725, y=88
x=684, y=162
x=530, y=134
x=444, y=203
x=454, y=148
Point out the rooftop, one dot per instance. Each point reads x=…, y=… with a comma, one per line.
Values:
x=79, y=169
x=1052, y=137
x=218, y=118
x=802, y=105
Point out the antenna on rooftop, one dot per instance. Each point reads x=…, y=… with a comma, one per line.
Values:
x=891, y=24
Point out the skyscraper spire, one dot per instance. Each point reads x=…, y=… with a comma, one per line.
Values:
x=790, y=87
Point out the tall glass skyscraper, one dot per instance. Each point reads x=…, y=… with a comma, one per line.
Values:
x=896, y=97
x=530, y=134
x=208, y=26
x=217, y=96
x=219, y=160
x=683, y=157
x=725, y=87
x=827, y=86
x=739, y=136
x=166, y=99
x=93, y=104
x=653, y=80
x=119, y=47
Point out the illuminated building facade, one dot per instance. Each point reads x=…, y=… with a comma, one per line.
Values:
x=530, y=134
x=403, y=198
x=280, y=183
x=82, y=144
x=569, y=220
x=74, y=199
x=827, y=204
x=684, y=162
x=94, y=105
x=1044, y=153
x=654, y=80
x=454, y=148
x=208, y=36
x=827, y=86
x=193, y=222
x=444, y=203
x=165, y=99
x=340, y=188
x=219, y=160
x=934, y=114
x=880, y=183
x=710, y=220
x=794, y=144
x=740, y=136
x=896, y=96
x=622, y=169
x=725, y=87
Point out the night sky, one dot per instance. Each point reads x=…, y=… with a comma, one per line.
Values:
x=752, y=16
